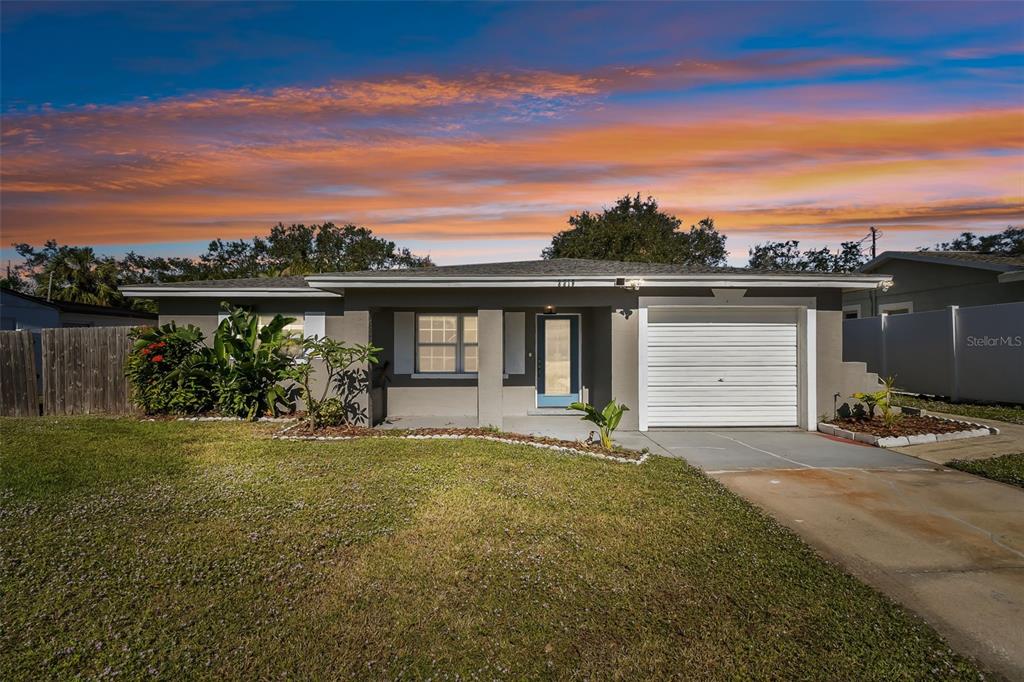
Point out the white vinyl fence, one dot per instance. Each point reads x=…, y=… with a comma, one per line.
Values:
x=974, y=353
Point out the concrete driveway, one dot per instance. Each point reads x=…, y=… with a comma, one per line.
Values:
x=945, y=544
x=741, y=449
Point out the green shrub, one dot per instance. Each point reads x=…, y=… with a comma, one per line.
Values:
x=163, y=370
x=250, y=362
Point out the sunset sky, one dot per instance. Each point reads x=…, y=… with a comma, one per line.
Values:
x=470, y=132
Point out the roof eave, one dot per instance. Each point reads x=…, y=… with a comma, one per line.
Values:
x=1013, y=276
x=341, y=282
x=925, y=257
x=157, y=291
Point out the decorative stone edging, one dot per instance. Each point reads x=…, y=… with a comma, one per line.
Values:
x=271, y=420
x=283, y=435
x=917, y=439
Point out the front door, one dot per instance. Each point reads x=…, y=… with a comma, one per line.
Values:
x=558, y=360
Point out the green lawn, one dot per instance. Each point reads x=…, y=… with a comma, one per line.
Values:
x=1013, y=414
x=207, y=550
x=1006, y=468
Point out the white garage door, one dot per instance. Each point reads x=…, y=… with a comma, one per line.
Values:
x=721, y=368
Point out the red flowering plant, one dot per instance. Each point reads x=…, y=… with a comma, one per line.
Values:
x=165, y=370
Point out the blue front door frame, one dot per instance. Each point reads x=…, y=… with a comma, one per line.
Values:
x=557, y=397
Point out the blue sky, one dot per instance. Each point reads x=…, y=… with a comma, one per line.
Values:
x=471, y=131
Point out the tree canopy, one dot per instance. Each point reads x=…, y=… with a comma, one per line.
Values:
x=80, y=275
x=786, y=255
x=1009, y=242
x=634, y=229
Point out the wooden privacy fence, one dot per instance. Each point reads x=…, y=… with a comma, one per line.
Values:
x=82, y=372
x=18, y=396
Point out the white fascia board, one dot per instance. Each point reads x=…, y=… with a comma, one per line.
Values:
x=1015, y=276
x=712, y=280
x=205, y=292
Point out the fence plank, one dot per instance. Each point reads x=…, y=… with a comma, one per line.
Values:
x=17, y=375
x=83, y=370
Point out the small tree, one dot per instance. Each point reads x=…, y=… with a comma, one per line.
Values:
x=336, y=361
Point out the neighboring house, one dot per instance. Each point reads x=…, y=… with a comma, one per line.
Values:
x=679, y=345
x=933, y=280
x=22, y=311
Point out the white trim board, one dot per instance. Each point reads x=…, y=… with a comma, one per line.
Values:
x=204, y=292
x=340, y=283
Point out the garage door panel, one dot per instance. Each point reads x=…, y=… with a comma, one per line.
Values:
x=707, y=373
x=741, y=394
x=714, y=357
x=750, y=375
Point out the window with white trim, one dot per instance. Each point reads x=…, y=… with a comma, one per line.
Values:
x=293, y=329
x=446, y=343
x=901, y=308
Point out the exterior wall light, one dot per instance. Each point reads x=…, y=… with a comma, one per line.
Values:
x=886, y=285
x=549, y=310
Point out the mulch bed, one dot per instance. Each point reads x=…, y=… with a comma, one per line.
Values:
x=906, y=425
x=303, y=430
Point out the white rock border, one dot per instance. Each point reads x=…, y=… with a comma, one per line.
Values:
x=270, y=420
x=283, y=435
x=975, y=431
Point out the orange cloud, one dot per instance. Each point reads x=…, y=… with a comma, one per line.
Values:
x=106, y=176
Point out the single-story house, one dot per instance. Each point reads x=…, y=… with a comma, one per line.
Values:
x=934, y=280
x=23, y=311
x=681, y=346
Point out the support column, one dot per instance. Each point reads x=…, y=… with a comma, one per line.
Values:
x=625, y=374
x=354, y=328
x=490, y=367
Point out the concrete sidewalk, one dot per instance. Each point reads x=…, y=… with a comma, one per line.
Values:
x=945, y=544
x=1009, y=440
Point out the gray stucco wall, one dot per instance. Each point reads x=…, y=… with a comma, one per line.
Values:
x=931, y=286
x=609, y=327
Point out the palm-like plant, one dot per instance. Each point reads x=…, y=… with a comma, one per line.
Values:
x=78, y=275
x=251, y=362
x=607, y=420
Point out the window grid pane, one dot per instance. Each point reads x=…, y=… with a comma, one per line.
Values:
x=469, y=329
x=437, y=358
x=437, y=328
x=469, y=358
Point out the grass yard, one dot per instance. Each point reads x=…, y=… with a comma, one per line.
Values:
x=1006, y=468
x=1014, y=414
x=207, y=550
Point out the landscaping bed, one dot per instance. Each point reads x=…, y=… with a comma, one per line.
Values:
x=303, y=431
x=908, y=429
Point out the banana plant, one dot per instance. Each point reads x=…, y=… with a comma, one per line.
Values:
x=251, y=363
x=607, y=420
